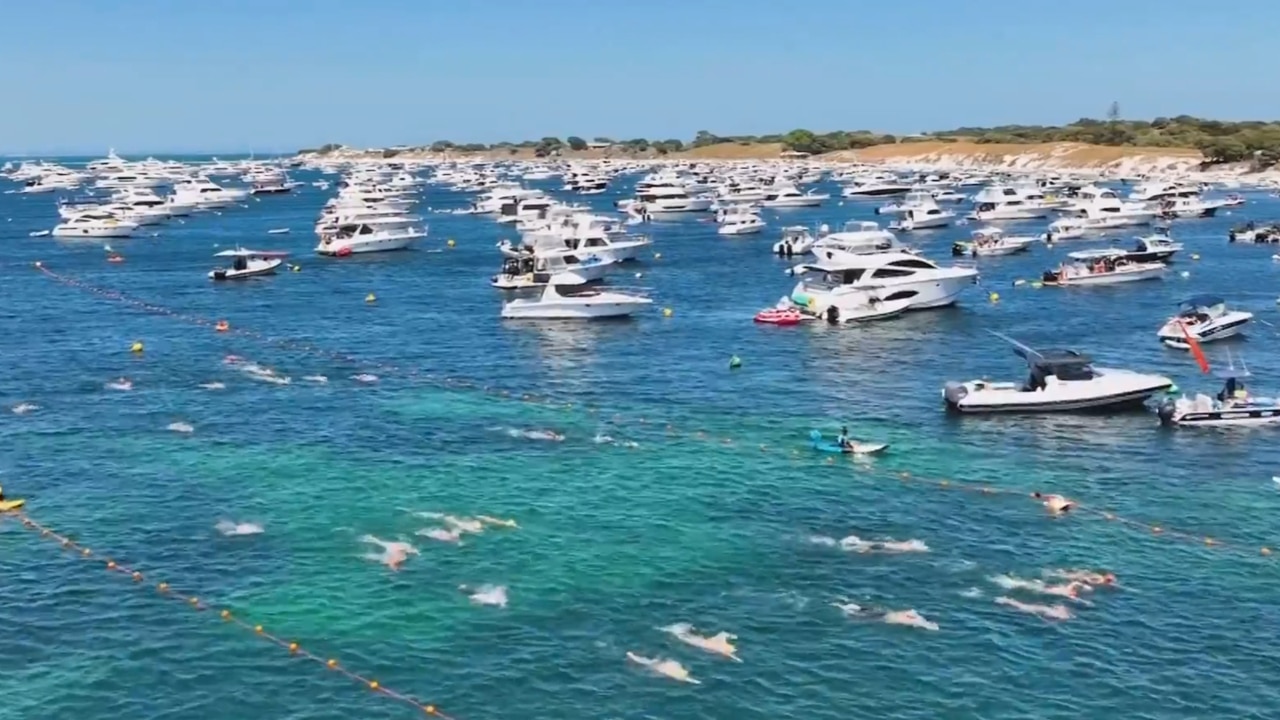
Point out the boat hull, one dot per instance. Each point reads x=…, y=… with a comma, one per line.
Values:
x=959, y=399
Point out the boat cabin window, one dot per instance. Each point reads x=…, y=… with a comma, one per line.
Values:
x=911, y=263
x=888, y=272
x=1008, y=191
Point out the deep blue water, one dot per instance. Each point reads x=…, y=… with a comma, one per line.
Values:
x=708, y=521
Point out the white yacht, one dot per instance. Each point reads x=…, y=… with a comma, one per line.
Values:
x=573, y=302
x=913, y=199
x=1190, y=207
x=875, y=189
x=369, y=236
x=788, y=196
x=247, y=264
x=1104, y=205
x=671, y=199
x=1005, y=202
x=1204, y=318
x=537, y=269
x=206, y=194
x=584, y=233
x=991, y=241
x=1059, y=381
x=1152, y=248
x=1105, y=270
x=90, y=226
x=856, y=237
x=923, y=218
x=741, y=223
x=1159, y=191
x=893, y=275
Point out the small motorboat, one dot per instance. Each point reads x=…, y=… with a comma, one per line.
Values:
x=1204, y=318
x=1152, y=248
x=741, y=223
x=796, y=240
x=990, y=242
x=1232, y=406
x=1252, y=232
x=1059, y=381
x=1104, y=270
x=247, y=264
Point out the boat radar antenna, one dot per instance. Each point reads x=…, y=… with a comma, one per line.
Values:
x=1024, y=348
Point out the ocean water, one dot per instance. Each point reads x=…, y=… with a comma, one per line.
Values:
x=710, y=519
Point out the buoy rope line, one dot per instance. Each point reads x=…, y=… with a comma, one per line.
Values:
x=165, y=590
x=671, y=432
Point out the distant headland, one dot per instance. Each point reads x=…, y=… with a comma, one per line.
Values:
x=1182, y=140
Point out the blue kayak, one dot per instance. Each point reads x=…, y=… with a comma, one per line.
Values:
x=853, y=448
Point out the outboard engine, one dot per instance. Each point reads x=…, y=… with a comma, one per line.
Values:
x=957, y=249
x=953, y=392
x=1166, y=411
x=1231, y=235
x=1049, y=276
x=833, y=315
x=220, y=274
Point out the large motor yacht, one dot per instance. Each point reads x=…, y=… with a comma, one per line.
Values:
x=1059, y=381
x=369, y=236
x=894, y=275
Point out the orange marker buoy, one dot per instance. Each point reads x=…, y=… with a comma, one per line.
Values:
x=257, y=629
x=373, y=685
x=111, y=564
x=226, y=614
x=222, y=326
x=332, y=664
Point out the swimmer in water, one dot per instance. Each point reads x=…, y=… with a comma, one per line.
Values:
x=721, y=643
x=1055, y=504
x=1070, y=590
x=907, y=617
x=670, y=668
x=1048, y=612
x=1088, y=577
x=394, y=554
x=120, y=384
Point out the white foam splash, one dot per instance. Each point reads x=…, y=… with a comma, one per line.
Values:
x=235, y=529
x=181, y=427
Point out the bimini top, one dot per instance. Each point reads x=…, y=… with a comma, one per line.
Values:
x=1202, y=301
x=1052, y=357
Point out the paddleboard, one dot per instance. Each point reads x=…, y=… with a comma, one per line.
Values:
x=8, y=505
x=855, y=448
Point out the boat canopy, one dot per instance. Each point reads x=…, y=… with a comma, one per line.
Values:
x=1202, y=301
x=1052, y=357
x=241, y=252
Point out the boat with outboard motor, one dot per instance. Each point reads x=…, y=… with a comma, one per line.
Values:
x=1104, y=270
x=1059, y=381
x=989, y=241
x=1232, y=406
x=247, y=264
x=796, y=240
x=1147, y=249
x=1255, y=232
x=1203, y=318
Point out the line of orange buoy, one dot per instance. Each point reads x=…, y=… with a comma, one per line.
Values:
x=164, y=589
x=223, y=326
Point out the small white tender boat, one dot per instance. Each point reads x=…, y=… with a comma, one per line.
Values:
x=566, y=302
x=1232, y=406
x=1204, y=318
x=247, y=264
x=740, y=224
x=1060, y=381
x=796, y=240
x=1106, y=270
x=991, y=242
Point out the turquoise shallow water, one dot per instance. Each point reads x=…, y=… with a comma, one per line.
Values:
x=613, y=542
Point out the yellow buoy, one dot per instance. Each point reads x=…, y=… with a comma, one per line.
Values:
x=666, y=312
x=136, y=347
x=370, y=298
x=994, y=297
x=451, y=243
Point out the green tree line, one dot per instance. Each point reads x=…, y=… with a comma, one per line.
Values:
x=1220, y=141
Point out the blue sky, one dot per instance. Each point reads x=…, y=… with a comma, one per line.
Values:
x=277, y=75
